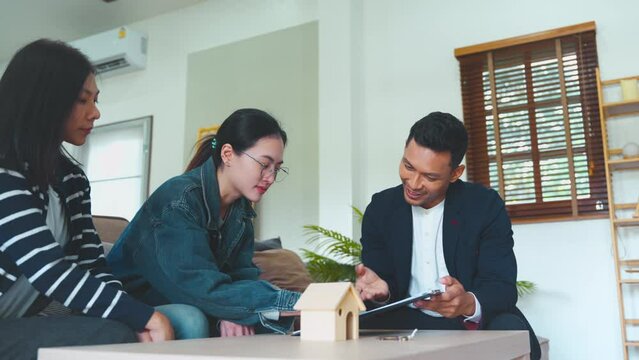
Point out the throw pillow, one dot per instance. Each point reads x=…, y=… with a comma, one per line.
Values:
x=282, y=268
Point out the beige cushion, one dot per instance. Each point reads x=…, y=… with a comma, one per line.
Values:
x=109, y=228
x=282, y=268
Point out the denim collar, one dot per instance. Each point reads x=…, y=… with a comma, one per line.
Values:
x=212, y=199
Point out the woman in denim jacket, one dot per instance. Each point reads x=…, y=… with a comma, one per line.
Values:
x=192, y=240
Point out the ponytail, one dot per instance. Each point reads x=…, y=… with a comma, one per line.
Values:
x=204, y=152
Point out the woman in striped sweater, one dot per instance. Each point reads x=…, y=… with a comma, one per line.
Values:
x=51, y=259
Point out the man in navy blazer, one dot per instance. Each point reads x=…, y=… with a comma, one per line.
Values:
x=436, y=231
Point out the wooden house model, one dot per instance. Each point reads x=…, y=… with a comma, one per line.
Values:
x=330, y=312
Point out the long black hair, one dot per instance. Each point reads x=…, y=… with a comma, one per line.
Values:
x=37, y=92
x=242, y=129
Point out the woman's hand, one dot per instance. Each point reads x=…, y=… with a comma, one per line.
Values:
x=228, y=328
x=158, y=328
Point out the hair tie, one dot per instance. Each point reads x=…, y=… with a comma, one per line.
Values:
x=213, y=143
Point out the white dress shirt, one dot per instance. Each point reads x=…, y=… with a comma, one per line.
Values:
x=428, y=264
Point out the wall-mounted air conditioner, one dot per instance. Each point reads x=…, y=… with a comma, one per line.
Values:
x=115, y=51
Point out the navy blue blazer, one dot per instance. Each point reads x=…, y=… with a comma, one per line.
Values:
x=477, y=241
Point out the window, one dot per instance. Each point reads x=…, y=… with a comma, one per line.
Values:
x=116, y=160
x=532, y=113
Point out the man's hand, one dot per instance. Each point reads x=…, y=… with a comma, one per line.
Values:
x=453, y=302
x=228, y=328
x=157, y=329
x=369, y=285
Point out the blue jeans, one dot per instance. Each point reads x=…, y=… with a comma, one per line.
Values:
x=188, y=321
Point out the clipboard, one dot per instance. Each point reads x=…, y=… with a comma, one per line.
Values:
x=400, y=303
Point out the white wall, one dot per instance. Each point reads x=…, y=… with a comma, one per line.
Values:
x=409, y=70
x=576, y=302
x=160, y=90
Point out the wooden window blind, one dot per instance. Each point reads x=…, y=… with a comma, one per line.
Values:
x=532, y=114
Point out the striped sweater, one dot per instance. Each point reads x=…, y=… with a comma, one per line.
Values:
x=76, y=276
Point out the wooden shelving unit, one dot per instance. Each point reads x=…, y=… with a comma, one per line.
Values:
x=626, y=270
x=621, y=108
x=621, y=164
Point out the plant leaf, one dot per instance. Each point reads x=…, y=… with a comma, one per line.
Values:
x=358, y=214
x=330, y=242
x=323, y=269
x=525, y=287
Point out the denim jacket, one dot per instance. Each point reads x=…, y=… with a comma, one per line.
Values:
x=175, y=250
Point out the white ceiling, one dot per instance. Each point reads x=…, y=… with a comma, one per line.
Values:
x=22, y=21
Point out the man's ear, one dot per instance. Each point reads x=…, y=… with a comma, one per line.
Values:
x=227, y=153
x=457, y=173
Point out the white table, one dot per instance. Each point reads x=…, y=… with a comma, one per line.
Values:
x=427, y=344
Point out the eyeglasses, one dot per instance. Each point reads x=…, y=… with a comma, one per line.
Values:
x=279, y=174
